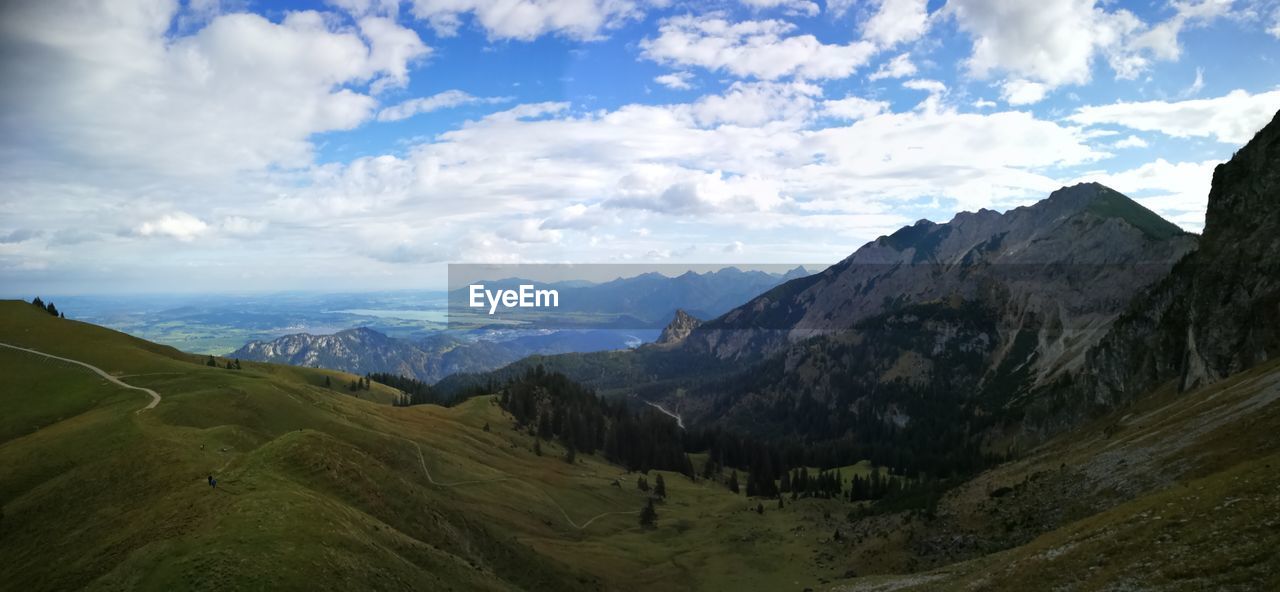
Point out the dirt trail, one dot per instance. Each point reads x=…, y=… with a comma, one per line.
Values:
x=155, y=397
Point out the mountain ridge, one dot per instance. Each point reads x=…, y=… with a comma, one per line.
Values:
x=929, y=261
x=1218, y=311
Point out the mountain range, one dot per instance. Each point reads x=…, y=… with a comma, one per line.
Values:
x=644, y=301
x=364, y=351
x=962, y=341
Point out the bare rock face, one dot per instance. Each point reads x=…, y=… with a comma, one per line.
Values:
x=354, y=350
x=1219, y=310
x=1057, y=272
x=680, y=327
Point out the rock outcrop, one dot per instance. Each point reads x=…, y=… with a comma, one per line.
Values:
x=1218, y=312
x=680, y=327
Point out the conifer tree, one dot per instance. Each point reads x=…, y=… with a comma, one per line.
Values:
x=649, y=515
x=660, y=488
x=212, y=363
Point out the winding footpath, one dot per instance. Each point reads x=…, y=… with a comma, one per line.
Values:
x=422, y=459
x=155, y=400
x=675, y=416
x=155, y=397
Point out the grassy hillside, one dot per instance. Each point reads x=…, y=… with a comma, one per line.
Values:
x=1179, y=492
x=321, y=489
x=1112, y=204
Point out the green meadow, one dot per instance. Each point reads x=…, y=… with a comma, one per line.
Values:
x=323, y=489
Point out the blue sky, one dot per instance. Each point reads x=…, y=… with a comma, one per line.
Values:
x=160, y=146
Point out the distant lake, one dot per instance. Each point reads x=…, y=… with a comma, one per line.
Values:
x=435, y=316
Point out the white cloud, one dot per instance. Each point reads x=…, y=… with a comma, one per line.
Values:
x=703, y=193
x=759, y=49
x=19, y=236
x=853, y=108
x=757, y=104
x=1196, y=86
x=581, y=216
x=242, y=93
x=983, y=104
x=675, y=80
x=1051, y=41
x=790, y=7
x=930, y=86
x=897, y=21
x=1232, y=118
x=178, y=225
x=1056, y=41
x=530, y=231
x=444, y=100
x=1162, y=39
x=766, y=170
x=528, y=19
x=734, y=247
x=366, y=7
x=1130, y=142
x=391, y=49
x=1023, y=92
x=241, y=226
x=898, y=67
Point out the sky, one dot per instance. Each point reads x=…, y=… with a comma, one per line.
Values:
x=155, y=146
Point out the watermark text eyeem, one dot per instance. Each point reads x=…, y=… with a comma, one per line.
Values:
x=526, y=296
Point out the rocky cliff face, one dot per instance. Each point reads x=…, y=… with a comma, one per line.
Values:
x=1059, y=271
x=678, y=329
x=1219, y=310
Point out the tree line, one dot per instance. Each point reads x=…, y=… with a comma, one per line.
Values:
x=230, y=365
x=48, y=307
x=551, y=406
x=412, y=391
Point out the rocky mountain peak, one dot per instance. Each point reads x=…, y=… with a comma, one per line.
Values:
x=679, y=328
x=1057, y=272
x=796, y=272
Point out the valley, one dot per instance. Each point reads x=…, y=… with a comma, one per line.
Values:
x=427, y=496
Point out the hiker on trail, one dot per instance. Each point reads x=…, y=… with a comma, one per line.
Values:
x=213, y=483
x=210, y=480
